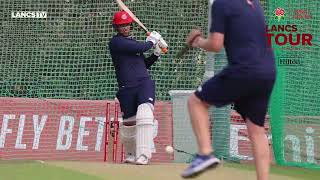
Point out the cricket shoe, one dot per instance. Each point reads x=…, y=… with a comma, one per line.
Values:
x=200, y=164
x=130, y=159
x=142, y=160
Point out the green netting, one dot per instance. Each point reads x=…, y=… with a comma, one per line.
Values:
x=295, y=109
x=65, y=56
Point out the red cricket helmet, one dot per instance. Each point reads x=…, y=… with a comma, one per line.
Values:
x=121, y=17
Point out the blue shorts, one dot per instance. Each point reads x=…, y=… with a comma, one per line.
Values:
x=131, y=97
x=250, y=96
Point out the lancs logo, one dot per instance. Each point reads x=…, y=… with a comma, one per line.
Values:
x=279, y=13
x=289, y=34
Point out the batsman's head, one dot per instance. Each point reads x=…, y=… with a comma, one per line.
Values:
x=122, y=22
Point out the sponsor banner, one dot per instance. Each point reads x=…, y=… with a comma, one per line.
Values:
x=65, y=129
x=300, y=142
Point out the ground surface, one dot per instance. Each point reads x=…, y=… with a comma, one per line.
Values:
x=75, y=170
x=158, y=172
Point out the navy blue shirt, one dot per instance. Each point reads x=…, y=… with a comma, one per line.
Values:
x=243, y=26
x=128, y=59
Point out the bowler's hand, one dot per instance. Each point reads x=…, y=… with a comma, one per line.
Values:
x=193, y=37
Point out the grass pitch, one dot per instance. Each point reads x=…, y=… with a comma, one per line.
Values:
x=77, y=170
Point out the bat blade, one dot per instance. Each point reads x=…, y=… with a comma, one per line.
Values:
x=183, y=51
x=126, y=9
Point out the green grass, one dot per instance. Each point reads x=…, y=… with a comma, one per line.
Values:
x=31, y=170
x=298, y=173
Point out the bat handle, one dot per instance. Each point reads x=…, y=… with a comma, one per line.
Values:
x=164, y=50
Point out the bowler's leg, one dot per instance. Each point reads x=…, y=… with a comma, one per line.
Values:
x=260, y=147
x=203, y=161
x=217, y=91
x=253, y=109
x=198, y=111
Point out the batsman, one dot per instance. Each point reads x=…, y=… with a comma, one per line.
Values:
x=136, y=90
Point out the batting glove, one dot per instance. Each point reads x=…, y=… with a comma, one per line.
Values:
x=154, y=37
x=157, y=50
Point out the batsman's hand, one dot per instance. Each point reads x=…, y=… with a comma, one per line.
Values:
x=193, y=37
x=161, y=47
x=157, y=50
x=154, y=37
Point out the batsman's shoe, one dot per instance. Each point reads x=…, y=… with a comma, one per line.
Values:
x=131, y=159
x=142, y=160
x=200, y=164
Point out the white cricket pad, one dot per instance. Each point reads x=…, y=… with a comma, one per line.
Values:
x=144, y=125
x=155, y=133
x=128, y=137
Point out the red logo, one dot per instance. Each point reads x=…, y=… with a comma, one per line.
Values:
x=279, y=13
x=124, y=16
